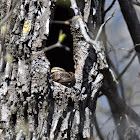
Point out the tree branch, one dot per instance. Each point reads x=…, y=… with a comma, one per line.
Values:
x=56, y=45
x=82, y=26
x=98, y=129
x=9, y=13
x=136, y=3
x=121, y=74
x=101, y=27
x=124, y=107
x=111, y=5
x=132, y=21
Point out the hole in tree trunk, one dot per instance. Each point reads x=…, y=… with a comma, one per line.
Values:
x=59, y=57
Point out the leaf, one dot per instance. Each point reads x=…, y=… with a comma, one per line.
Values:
x=61, y=36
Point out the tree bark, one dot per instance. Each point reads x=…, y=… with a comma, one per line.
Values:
x=32, y=105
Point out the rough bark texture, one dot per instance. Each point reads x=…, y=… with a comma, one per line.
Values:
x=32, y=105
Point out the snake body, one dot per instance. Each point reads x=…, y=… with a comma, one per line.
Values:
x=61, y=76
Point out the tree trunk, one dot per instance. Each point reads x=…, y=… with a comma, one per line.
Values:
x=33, y=106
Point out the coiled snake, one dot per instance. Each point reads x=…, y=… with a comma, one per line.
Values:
x=61, y=76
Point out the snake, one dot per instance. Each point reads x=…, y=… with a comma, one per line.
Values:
x=61, y=76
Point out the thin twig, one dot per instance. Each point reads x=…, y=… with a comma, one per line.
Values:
x=101, y=27
x=111, y=5
x=137, y=45
x=136, y=3
x=9, y=13
x=120, y=75
x=58, y=44
x=66, y=22
x=105, y=122
x=114, y=52
x=3, y=50
x=130, y=51
x=120, y=80
x=98, y=130
x=82, y=26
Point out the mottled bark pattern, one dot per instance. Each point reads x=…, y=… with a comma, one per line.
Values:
x=24, y=87
x=32, y=105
